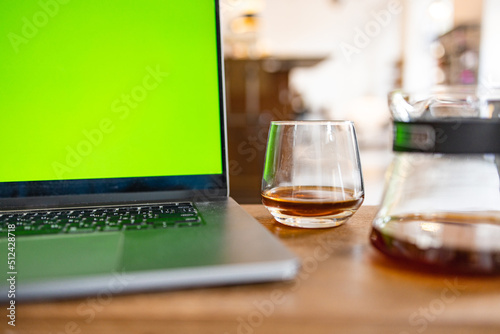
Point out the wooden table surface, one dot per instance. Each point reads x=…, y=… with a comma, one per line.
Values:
x=344, y=286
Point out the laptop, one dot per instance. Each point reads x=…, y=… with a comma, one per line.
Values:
x=113, y=173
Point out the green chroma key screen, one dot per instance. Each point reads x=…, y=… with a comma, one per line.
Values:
x=108, y=88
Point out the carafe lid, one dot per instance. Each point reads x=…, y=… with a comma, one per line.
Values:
x=455, y=120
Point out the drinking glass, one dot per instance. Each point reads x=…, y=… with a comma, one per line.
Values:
x=312, y=174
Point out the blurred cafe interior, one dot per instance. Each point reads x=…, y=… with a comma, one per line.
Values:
x=338, y=59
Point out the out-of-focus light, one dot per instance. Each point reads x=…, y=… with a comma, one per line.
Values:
x=440, y=76
x=244, y=24
x=430, y=227
x=441, y=10
x=469, y=59
x=437, y=50
x=240, y=50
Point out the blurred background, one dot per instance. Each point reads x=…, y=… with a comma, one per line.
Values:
x=338, y=59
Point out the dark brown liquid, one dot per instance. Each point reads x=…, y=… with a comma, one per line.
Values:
x=445, y=258
x=311, y=201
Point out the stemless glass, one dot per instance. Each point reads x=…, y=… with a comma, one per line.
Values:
x=312, y=174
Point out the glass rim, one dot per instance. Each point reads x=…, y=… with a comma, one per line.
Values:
x=313, y=122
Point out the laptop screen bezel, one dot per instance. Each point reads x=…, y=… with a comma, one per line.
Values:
x=120, y=191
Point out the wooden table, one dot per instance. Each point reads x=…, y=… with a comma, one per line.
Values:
x=344, y=286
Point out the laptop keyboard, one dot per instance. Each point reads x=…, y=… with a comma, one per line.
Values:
x=171, y=215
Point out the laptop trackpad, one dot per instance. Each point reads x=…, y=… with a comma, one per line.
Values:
x=45, y=257
x=172, y=248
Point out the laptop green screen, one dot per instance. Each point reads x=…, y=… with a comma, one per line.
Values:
x=108, y=89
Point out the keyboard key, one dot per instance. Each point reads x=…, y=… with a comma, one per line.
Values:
x=191, y=219
x=164, y=224
x=50, y=228
x=135, y=227
x=26, y=228
x=99, y=224
x=34, y=232
x=188, y=224
x=111, y=228
x=74, y=229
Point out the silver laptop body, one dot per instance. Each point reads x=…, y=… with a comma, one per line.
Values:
x=228, y=246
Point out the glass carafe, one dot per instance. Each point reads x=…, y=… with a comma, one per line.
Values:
x=441, y=205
